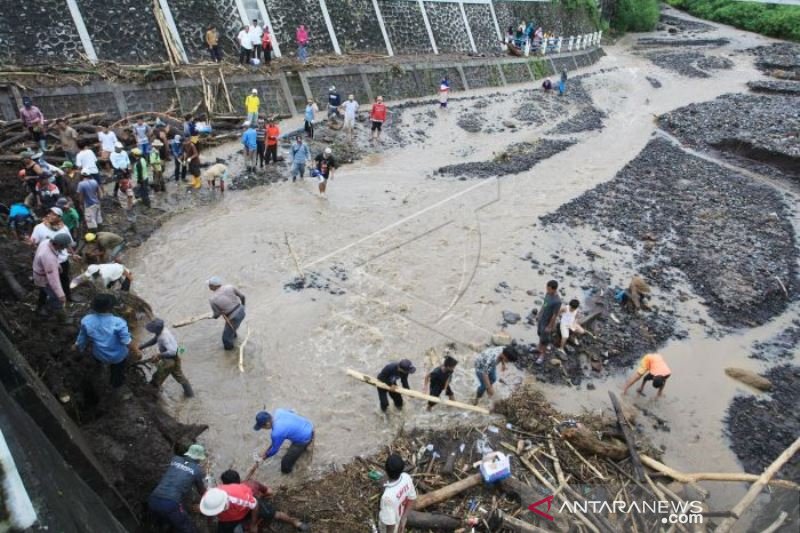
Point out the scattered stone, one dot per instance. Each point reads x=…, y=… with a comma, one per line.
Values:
x=510, y=317
x=654, y=82
x=685, y=24
x=518, y=158
x=679, y=42
x=780, y=60
x=749, y=378
x=588, y=119
x=501, y=339
x=715, y=63
x=791, y=88
x=472, y=122
x=782, y=346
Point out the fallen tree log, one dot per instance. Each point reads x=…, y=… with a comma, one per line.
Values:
x=638, y=470
x=426, y=521
x=501, y=520
x=587, y=442
x=711, y=476
x=521, y=492
x=11, y=281
x=412, y=393
x=749, y=378
x=447, y=492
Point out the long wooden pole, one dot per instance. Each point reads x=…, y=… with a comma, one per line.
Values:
x=755, y=488
x=414, y=394
x=447, y=492
x=638, y=471
x=710, y=476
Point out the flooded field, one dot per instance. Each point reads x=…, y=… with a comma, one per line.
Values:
x=405, y=259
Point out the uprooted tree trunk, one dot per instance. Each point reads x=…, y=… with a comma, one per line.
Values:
x=435, y=521
x=585, y=441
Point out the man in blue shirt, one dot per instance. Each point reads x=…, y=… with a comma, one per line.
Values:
x=300, y=158
x=334, y=101
x=176, y=148
x=20, y=218
x=166, y=501
x=285, y=425
x=250, y=142
x=109, y=336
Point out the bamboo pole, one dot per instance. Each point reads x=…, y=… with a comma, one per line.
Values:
x=447, y=492
x=711, y=476
x=225, y=88
x=294, y=257
x=755, y=489
x=241, y=349
x=414, y=394
x=192, y=320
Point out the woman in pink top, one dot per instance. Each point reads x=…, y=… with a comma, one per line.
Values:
x=301, y=35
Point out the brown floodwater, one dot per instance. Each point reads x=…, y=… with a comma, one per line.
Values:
x=422, y=258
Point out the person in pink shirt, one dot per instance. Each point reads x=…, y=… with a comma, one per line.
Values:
x=46, y=270
x=33, y=119
x=301, y=35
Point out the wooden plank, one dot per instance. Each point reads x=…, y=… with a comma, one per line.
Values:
x=445, y=493
x=638, y=469
x=711, y=476
x=414, y=394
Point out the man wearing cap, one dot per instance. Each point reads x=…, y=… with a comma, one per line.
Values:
x=325, y=166
x=33, y=119
x=176, y=148
x=68, y=138
x=169, y=362
x=286, y=425
x=141, y=174
x=238, y=504
x=89, y=194
x=51, y=226
x=251, y=105
x=183, y=473
x=250, y=143
x=109, y=246
x=110, y=339
x=108, y=276
x=389, y=375
x=334, y=101
x=398, y=496
x=653, y=368
x=229, y=303
x=46, y=270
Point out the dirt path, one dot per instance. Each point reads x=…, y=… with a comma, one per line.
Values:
x=407, y=260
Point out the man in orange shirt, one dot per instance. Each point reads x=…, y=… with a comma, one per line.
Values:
x=653, y=368
x=273, y=132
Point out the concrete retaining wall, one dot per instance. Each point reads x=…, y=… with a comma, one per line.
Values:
x=280, y=92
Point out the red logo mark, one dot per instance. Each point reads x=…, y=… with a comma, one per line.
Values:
x=533, y=507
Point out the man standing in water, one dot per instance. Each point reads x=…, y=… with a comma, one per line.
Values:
x=227, y=302
x=378, y=116
x=548, y=316
x=325, y=166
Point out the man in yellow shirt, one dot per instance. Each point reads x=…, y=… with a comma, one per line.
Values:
x=251, y=105
x=653, y=368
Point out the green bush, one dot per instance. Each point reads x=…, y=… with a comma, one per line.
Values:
x=635, y=15
x=768, y=19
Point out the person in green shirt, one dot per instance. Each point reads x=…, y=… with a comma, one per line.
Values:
x=156, y=167
x=141, y=175
x=70, y=218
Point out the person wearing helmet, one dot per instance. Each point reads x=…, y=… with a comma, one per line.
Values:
x=184, y=472
x=108, y=246
x=46, y=275
x=141, y=175
x=284, y=425
x=168, y=358
x=108, y=276
x=325, y=165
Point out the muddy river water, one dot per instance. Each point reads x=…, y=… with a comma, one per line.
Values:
x=417, y=259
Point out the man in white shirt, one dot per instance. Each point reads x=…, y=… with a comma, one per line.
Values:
x=398, y=496
x=245, y=46
x=350, y=109
x=568, y=323
x=107, y=140
x=86, y=161
x=255, y=32
x=107, y=275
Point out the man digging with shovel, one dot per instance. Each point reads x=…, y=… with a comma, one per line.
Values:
x=227, y=302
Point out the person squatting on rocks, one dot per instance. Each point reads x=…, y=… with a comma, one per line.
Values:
x=273, y=132
x=568, y=322
x=286, y=425
x=110, y=339
x=547, y=318
x=33, y=119
x=251, y=106
x=212, y=42
x=325, y=165
x=438, y=380
x=250, y=144
x=300, y=157
x=102, y=247
x=378, y=116
x=653, y=368
x=183, y=473
x=486, y=368
x=168, y=358
x=20, y=218
x=228, y=303
x=389, y=375
x=216, y=172
x=107, y=276
x=398, y=496
x=243, y=505
x=46, y=275
x=547, y=86
x=334, y=101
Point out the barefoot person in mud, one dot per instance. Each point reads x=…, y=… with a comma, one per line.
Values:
x=398, y=496
x=548, y=316
x=168, y=358
x=284, y=425
x=486, y=368
x=183, y=473
x=228, y=303
x=110, y=340
x=256, y=508
x=325, y=165
x=438, y=380
x=390, y=374
x=653, y=368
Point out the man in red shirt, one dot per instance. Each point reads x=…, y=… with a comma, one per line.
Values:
x=273, y=132
x=378, y=116
x=235, y=503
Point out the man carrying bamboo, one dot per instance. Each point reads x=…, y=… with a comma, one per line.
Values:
x=228, y=303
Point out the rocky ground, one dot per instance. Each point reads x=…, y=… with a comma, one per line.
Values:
x=783, y=346
x=687, y=200
x=517, y=158
x=692, y=64
x=761, y=427
x=779, y=60
x=676, y=25
x=760, y=128
x=791, y=88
